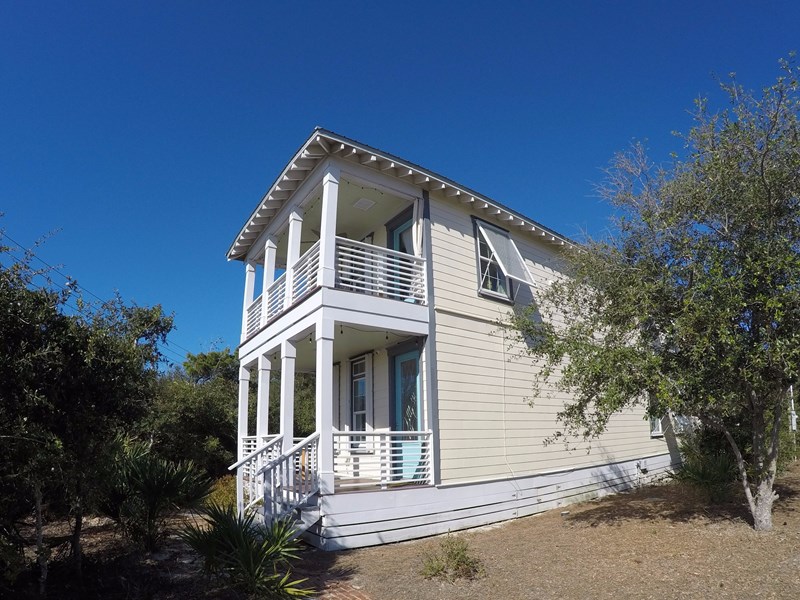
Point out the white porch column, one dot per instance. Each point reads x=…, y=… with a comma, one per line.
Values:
x=292, y=252
x=270, y=252
x=288, y=355
x=327, y=244
x=249, y=290
x=324, y=403
x=244, y=394
x=262, y=408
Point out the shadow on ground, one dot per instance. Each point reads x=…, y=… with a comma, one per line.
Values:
x=679, y=503
x=321, y=568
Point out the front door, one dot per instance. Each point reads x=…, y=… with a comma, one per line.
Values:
x=407, y=416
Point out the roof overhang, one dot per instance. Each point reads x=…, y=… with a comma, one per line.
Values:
x=323, y=144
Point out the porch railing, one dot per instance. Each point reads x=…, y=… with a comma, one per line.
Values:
x=291, y=478
x=305, y=273
x=361, y=268
x=253, y=463
x=381, y=458
x=377, y=271
x=276, y=297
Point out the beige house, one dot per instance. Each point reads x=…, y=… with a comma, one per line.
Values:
x=386, y=281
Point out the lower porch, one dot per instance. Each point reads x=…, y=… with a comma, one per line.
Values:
x=371, y=425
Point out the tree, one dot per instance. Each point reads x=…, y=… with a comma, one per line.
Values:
x=693, y=305
x=68, y=384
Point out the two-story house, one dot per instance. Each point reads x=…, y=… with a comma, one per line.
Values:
x=387, y=281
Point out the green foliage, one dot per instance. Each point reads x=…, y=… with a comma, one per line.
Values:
x=253, y=559
x=694, y=305
x=223, y=492
x=304, y=405
x=143, y=490
x=71, y=378
x=194, y=421
x=453, y=560
x=707, y=466
x=205, y=366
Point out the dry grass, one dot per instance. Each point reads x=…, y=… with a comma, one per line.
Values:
x=658, y=542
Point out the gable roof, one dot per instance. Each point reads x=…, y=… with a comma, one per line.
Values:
x=323, y=143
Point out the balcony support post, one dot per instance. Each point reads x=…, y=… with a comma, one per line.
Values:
x=292, y=253
x=244, y=395
x=288, y=356
x=324, y=403
x=270, y=252
x=327, y=234
x=262, y=407
x=249, y=291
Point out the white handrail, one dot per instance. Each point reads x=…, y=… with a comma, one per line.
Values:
x=291, y=478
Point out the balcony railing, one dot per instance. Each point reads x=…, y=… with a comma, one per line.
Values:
x=305, y=273
x=368, y=459
x=377, y=271
x=360, y=268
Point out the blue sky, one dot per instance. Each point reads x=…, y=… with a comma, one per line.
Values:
x=146, y=132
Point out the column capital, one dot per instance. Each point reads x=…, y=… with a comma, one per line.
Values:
x=288, y=349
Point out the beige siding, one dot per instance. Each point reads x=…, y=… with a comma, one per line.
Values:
x=489, y=425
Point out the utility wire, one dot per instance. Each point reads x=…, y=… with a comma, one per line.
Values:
x=68, y=278
x=75, y=307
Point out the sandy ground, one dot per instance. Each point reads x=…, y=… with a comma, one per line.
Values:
x=657, y=542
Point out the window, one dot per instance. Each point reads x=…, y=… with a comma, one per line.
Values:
x=360, y=393
x=499, y=262
x=656, y=430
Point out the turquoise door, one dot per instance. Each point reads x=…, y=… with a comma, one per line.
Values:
x=407, y=416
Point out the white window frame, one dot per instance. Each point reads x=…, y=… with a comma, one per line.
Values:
x=358, y=442
x=507, y=284
x=506, y=261
x=656, y=427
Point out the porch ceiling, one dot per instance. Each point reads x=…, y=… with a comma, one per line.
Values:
x=349, y=341
x=323, y=143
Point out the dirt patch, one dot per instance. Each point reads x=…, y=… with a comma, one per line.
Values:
x=657, y=542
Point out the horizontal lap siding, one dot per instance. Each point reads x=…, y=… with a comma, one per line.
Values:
x=369, y=518
x=490, y=426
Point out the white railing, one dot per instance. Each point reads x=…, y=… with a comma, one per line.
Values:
x=253, y=463
x=377, y=271
x=276, y=297
x=254, y=316
x=361, y=268
x=381, y=458
x=304, y=279
x=291, y=478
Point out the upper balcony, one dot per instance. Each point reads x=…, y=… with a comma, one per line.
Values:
x=361, y=268
x=341, y=233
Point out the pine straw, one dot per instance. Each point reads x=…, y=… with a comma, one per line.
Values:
x=657, y=542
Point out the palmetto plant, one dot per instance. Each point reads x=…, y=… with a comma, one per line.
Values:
x=252, y=558
x=143, y=490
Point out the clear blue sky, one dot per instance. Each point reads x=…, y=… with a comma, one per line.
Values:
x=146, y=132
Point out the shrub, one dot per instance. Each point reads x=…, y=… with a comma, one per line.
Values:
x=453, y=561
x=707, y=466
x=143, y=490
x=252, y=558
x=223, y=492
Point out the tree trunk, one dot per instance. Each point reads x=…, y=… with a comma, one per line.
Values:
x=762, y=506
x=41, y=552
x=77, y=550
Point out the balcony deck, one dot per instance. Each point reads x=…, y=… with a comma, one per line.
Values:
x=361, y=268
